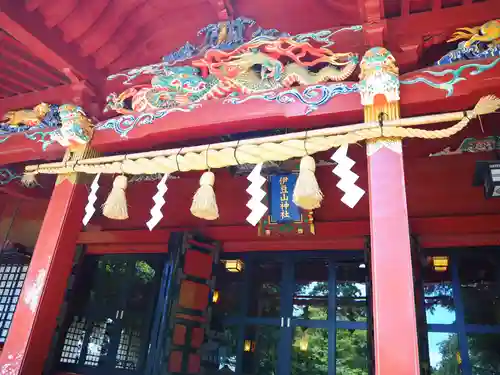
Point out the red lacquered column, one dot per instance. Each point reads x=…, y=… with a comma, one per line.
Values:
x=394, y=316
x=30, y=335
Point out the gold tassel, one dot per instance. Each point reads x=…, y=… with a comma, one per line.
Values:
x=307, y=193
x=204, y=204
x=115, y=206
x=29, y=179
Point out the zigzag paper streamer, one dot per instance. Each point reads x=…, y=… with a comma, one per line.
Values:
x=257, y=208
x=348, y=178
x=156, y=213
x=89, y=208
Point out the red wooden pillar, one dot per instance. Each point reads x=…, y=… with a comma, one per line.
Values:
x=30, y=334
x=394, y=316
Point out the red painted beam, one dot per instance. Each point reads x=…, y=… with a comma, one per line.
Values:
x=54, y=95
x=127, y=249
x=35, y=319
x=215, y=119
x=17, y=191
x=295, y=244
x=465, y=240
x=447, y=229
x=47, y=43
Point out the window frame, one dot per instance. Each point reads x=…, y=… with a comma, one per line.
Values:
x=459, y=327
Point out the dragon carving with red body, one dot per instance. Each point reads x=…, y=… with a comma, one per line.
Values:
x=254, y=67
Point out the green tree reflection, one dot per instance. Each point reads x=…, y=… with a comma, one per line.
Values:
x=351, y=345
x=482, y=306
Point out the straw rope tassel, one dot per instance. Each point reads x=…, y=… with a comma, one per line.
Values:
x=29, y=179
x=204, y=204
x=271, y=148
x=115, y=206
x=307, y=193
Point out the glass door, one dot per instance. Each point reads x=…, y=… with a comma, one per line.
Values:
x=109, y=317
x=308, y=330
x=295, y=314
x=264, y=306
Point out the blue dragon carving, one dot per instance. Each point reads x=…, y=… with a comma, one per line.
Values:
x=481, y=42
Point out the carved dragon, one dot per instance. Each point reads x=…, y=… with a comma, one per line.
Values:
x=488, y=33
x=254, y=67
x=477, y=43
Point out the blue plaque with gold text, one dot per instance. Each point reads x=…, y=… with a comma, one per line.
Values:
x=282, y=209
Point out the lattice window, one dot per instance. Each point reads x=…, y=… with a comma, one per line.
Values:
x=98, y=343
x=129, y=348
x=73, y=341
x=11, y=282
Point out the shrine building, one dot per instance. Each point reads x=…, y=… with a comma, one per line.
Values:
x=250, y=187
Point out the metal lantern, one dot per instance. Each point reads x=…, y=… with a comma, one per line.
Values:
x=234, y=265
x=249, y=346
x=215, y=296
x=440, y=263
x=487, y=174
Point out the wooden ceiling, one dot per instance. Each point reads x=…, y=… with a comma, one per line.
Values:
x=49, y=43
x=22, y=72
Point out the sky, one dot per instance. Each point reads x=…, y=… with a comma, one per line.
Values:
x=440, y=315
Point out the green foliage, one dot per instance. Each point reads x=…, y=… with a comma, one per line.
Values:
x=449, y=364
x=352, y=345
x=480, y=299
x=144, y=271
x=352, y=352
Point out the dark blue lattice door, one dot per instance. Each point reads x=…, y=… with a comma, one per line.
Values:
x=109, y=317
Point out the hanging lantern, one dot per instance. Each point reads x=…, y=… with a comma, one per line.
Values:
x=215, y=296
x=249, y=346
x=234, y=265
x=440, y=263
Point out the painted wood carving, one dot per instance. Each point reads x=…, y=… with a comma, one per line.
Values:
x=228, y=65
x=379, y=76
x=42, y=116
x=478, y=43
x=72, y=126
x=75, y=128
x=472, y=145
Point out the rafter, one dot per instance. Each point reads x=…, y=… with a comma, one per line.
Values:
x=10, y=56
x=4, y=86
x=14, y=81
x=23, y=79
x=33, y=79
x=47, y=43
